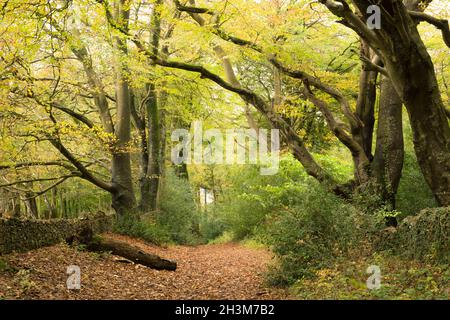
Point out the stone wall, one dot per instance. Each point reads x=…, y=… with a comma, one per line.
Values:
x=425, y=236
x=23, y=235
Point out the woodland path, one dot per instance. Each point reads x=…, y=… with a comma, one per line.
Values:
x=225, y=271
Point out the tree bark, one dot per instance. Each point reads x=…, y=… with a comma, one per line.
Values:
x=54, y=202
x=31, y=206
x=123, y=199
x=365, y=104
x=16, y=205
x=413, y=76
x=388, y=161
x=149, y=182
x=431, y=134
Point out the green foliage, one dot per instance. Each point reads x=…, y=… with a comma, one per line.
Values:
x=213, y=225
x=368, y=198
x=382, y=214
x=310, y=234
x=175, y=222
x=225, y=237
x=250, y=198
x=4, y=266
x=81, y=247
x=305, y=225
x=402, y=279
x=413, y=193
x=243, y=207
x=178, y=214
x=83, y=197
x=337, y=163
x=134, y=227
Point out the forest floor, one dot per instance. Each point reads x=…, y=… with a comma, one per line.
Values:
x=219, y=271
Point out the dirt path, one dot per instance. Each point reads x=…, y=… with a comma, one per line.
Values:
x=227, y=271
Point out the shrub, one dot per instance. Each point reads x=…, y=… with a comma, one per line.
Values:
x=178, y=211
x=133, y=226
x=310, y=234
x=212, y=224
x=413, y=193
x=177, y=220
x=243, y=207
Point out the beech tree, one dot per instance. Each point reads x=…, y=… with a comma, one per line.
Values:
x=408, y=64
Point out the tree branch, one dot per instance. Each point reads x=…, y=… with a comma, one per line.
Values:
x=36, y=164
x=372, y=66
x=98, y=91
x=294, y=140
x=336, y=127
x=355, y=122
x=85, y=174
x=61, y=180
x=192, y=9
x=441, y=24
x=342, y=10
x=73, y=114
x=38, y=180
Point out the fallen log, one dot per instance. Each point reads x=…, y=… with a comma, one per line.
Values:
x=23, y=235
x=98, y=243
x=132, y=253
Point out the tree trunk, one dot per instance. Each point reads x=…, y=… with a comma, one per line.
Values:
x=419, y=90
x=16, y=205
x=411, y=70
x=415, y=80
x=150, y=183
x=47, y=211
x=123, y=200
x=31, y=206
x=54, y=212
x=11, y=203
x=163, y=142
x=62, y=204
x=388, y=161
x=365, y=105
x=431, y=135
